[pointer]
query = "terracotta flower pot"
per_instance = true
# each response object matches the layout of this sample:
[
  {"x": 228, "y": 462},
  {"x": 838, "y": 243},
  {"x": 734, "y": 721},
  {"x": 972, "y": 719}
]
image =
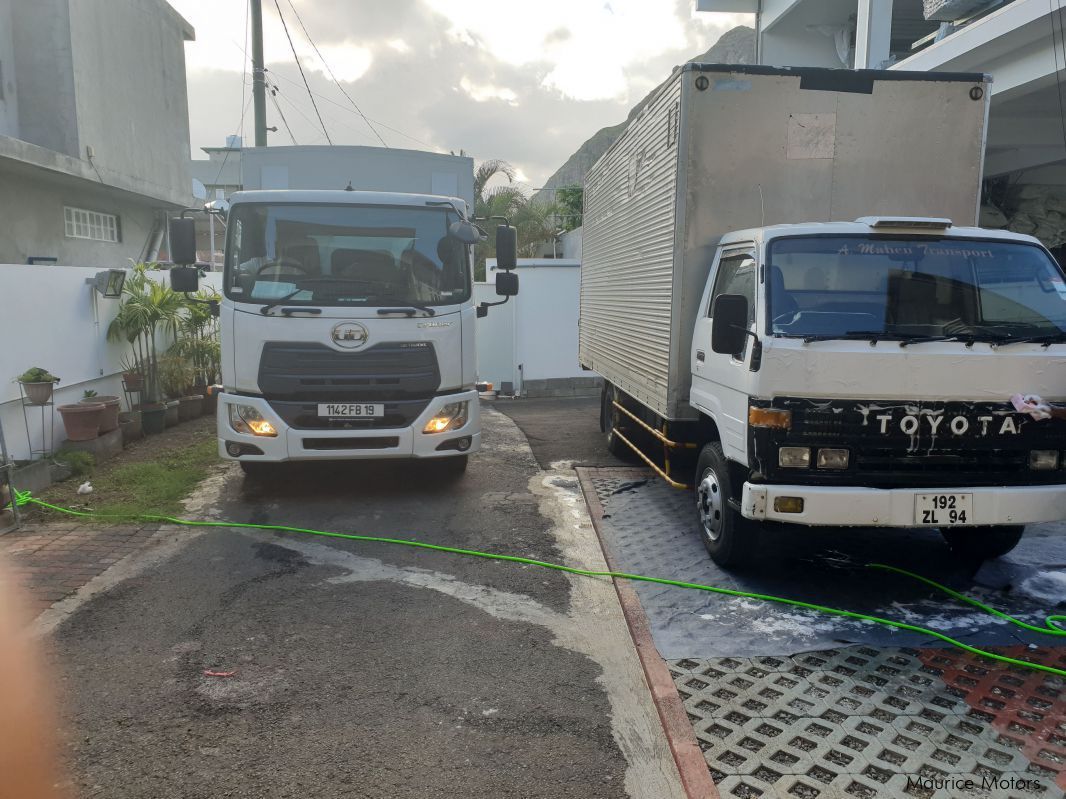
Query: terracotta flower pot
[
  {"x": 191, "y": 406},
  {"x": 172, "y": 417},
  {"x": 111, "y": 409},
  {"x": 38, "y": 393},
  {"x": 82, "y": 420},
  {"x": 131, "y": 425},
  {"x": 134, "y": 381},
  {"x": 153, "y": 417}
]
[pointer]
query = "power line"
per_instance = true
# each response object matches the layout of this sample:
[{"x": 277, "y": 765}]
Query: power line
[
  {"x": 330, "y": 71},
  {"x": 296, "y": 108},
  {"x": 344, "y": 108},
  {"x": 301, "y": 68},
  {"x": 273, "y": 96}
]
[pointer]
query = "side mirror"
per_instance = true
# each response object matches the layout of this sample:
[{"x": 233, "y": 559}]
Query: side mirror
[
  {"x": 183, "y": 240},
  {"x": 729, "y": 324},
  {"x": 506, "y": 284},
  {"x": 185, "y": 278},
  {"x": 464, "y": 232},
  {"x": 506, "y": 247}
]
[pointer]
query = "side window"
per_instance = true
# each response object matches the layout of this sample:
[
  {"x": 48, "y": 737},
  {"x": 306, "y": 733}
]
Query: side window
[{"x": 737, "y": 274}]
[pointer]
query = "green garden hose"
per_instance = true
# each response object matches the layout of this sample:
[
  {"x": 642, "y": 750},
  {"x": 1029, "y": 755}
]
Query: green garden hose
[{"x": 1054, "y": 625}]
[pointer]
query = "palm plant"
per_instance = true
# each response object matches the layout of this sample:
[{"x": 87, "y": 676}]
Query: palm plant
[
  {"x": 148, "y": 308},
  {"x": 198, "y": 340}
]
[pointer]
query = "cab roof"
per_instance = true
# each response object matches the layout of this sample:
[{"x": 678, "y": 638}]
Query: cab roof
[
  {"x": 876, "y": 226},
  {"x": 340, "y": 197}
]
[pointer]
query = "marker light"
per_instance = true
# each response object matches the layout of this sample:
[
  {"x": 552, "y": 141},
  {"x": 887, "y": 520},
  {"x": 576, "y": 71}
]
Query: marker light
[
  {"x": 770, "y": 417},
  {"x": 451, "y": 417},
  {"x": 788, "y": 504},
  {"x": 246, "y": 419}
]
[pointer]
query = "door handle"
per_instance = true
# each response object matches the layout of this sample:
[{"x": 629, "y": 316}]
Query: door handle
[{"x": 700, "y": 357}]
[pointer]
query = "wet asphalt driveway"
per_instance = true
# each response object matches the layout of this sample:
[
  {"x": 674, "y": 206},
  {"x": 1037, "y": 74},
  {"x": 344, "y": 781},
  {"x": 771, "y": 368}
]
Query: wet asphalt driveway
[{"x": 366, "y": 670}]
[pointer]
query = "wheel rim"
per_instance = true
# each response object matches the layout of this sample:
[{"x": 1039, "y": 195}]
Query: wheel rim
[{"x": 709, "y": 504}]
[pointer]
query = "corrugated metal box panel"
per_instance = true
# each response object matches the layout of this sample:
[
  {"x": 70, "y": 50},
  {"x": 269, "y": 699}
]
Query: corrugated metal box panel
[
  {"x": 758, "y": 146},
  {"x": 627, "y": 272}
]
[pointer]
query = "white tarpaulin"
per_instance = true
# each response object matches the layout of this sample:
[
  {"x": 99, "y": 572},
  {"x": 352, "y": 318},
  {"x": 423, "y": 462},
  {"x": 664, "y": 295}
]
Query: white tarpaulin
[{"x": 1040, "y": 211}]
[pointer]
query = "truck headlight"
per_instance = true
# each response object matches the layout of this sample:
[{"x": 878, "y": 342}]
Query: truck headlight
[
  {"x": 794, "y": 457},
  {"x": 246, "y": 419},
  {"x": 451, "y": 417},
  {"x": 1044, "y": 459},
  {"x": 832, "y": 459}
]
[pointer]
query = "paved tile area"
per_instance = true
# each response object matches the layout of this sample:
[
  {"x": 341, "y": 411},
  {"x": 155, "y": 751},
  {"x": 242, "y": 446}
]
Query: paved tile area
[
  {"x": 54, "y": 559},
  {"x": 870, "y": 722}
]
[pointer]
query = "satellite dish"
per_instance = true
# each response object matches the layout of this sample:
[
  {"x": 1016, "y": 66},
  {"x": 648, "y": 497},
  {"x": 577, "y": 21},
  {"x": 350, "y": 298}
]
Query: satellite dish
[{"x": 199, "y": 190}]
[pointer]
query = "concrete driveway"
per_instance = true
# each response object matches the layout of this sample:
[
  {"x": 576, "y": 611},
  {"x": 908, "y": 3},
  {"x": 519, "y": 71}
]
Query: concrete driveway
[{"x": 364, "y": 670}]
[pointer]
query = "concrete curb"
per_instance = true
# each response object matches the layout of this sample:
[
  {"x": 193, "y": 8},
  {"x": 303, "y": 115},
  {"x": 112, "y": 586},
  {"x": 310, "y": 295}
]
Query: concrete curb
[{"x": 688, "y": 757}]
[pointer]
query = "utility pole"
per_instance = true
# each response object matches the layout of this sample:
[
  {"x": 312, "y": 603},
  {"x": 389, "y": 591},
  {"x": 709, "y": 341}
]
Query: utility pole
[{"x": 258, "y": 76}]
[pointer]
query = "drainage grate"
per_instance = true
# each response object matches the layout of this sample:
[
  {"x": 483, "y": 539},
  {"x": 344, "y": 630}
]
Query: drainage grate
[{"x": 874, "y": 722}]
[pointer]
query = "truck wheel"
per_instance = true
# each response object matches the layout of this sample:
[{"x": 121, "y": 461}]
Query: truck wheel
[
  {"x": 983, "y": 543},
  {"x": 259, "y": 470},
  {"x": 608, "y": 418},
  {"x": 453, "y": 467},
  {"x": 730, "y": 539}
]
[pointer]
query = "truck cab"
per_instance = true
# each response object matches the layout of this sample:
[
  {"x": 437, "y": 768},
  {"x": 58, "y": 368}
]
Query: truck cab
[
  {"x": 347, "y": 326},
  {"x": 857, "y": 374}
]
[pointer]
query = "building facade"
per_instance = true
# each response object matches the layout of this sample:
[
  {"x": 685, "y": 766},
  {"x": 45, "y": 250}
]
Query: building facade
[{"x": 94, "y": 129}]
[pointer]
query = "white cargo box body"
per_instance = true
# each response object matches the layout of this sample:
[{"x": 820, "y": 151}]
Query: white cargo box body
[{"x": 724, "y": 148}]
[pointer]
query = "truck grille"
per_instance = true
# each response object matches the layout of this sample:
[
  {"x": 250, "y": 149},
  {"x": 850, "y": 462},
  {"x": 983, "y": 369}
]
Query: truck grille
[
  {"x": 294, "y": 371},
  {"x": 380, "y": 442},
  {"x": 895, "y": 445}
]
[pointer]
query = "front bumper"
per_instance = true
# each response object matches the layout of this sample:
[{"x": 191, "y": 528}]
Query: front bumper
[
  {"x": 293, "y": 444},
  {"x": 849, "y": 506}
]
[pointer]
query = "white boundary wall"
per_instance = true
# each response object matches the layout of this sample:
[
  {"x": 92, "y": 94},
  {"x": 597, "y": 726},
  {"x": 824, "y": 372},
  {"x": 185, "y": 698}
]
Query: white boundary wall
[
  {"x": 537, "y": 330},
  {"x": 50, "y": 317}
]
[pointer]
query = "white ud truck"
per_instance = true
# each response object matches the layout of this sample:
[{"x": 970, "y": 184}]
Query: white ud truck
[
  {"x": 789, "y": 368},
  {"x": 347, "y": 326}
]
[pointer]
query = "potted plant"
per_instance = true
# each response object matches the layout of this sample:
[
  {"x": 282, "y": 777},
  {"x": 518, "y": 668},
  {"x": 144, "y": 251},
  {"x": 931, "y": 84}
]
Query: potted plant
[
  {"x": 198, "y": 343},
  {"x": 175, "y": 374},
  {"x": 131, "y": 425},
  {"x": 132, "y": 379},
  {"x": 112, "y": 406},
  {"x": 38, "y": 384},
  {"x": 82, "y": 420},
  {"x": 148, "y": 308}
]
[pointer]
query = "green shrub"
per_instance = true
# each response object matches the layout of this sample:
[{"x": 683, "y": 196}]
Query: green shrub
[
  {"x": 80, "y": 463},
  {"x": 37, "y": 375}
]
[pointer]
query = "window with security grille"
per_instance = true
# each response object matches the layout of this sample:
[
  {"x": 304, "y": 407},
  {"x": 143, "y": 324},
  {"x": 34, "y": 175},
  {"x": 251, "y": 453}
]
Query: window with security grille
[{"x": 84, "y": 224}]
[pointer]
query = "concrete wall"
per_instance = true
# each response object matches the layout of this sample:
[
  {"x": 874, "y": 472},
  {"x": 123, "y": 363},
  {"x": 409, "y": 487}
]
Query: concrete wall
[
  {"x": 369, "y": 168},
  {"x": 54, "y": 320},
  {"x": 36, "y": 200},
  {"x": 9, "y": 119},
  {"x": 129, "y": 82},
  {"x": 532, "y": 340},
  {"x": 45, "y": 70}
]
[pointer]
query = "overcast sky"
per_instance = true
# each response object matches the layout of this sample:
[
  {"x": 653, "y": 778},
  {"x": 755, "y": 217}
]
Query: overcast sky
[{"x": 527, "y": 81}]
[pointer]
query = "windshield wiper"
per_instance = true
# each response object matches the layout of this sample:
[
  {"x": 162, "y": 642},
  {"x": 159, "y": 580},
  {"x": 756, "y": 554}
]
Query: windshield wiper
[
  {"x": 408, "y": 308},
  {"x": 872, "y": 335},
  {"x": 1047, "y": 339},
  {"x": 272, "y": 305}
]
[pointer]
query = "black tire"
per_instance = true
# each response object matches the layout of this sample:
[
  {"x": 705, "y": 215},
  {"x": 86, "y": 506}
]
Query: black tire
[
  {"x": 983, "y": 543},
  {"x": 608, "y": 419},
  {"x": 453, "y": 467},
  {"x": 730, "y": 539},
  {"x": 259, "y": 470}
]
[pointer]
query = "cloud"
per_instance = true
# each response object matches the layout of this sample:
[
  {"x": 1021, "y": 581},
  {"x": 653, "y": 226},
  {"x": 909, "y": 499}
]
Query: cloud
[{"x": 496, "y": 79}]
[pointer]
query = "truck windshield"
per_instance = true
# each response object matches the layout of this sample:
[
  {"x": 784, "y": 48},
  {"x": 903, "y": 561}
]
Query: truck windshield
[
  {"x": 970, "y": 289},
  {"x": 344, "y": 255}
]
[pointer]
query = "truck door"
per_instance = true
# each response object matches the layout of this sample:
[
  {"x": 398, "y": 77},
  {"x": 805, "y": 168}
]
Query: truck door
[{"x": 721, "y": 383}]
